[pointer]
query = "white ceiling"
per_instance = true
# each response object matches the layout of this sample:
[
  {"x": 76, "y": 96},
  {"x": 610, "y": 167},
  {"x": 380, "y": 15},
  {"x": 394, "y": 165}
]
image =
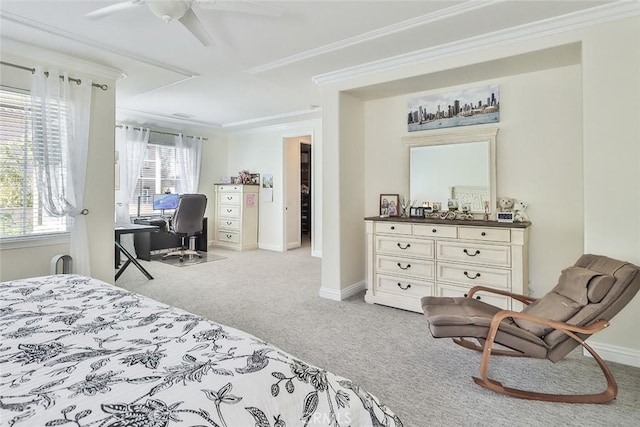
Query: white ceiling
[{"x": 261, "y": 67}]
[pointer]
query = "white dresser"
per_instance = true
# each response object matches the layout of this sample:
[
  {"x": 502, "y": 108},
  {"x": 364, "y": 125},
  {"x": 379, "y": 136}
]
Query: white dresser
[
  {"x": 409, "y": 258},
  {"x": 236, "y": 216}
]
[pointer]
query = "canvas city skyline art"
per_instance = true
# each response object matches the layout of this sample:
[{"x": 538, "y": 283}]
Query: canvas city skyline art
[{"x": 468, "y": 106}]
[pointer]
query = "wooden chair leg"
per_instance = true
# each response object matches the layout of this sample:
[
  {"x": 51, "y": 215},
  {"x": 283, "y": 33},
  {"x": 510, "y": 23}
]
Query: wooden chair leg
[{"x": 610, "y": 392}]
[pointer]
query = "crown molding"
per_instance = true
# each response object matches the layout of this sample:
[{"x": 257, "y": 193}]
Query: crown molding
[
  {"x": 573, "y": 21},
  {"x": 40, "y": 55},
  {"x": 48, "y": 29},
  {"x": 164, "y": 119},
  {"x": 274, "y": 117},
  {"x": 418, "y": 21},
  {"x": 307, "y": 125}
]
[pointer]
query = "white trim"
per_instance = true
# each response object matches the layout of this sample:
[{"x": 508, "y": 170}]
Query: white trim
[
  {"x": 343, "y": 293},
  {"x": 445, "y": 13},
  {"x": 276, "y": 248},
  {"x": 21, "y": 242},
  {"x": 316, "y": 253},
  {"x": 312, "y": 110},
  {"x": 65, "y": 62},
  {"x": 613, "y": 353},
  {"x": 168, "y": 120},
  {"x": 572, "y": 21},
  {"x": 89, "y": 42},
  {"x": 282, "y": 127}
]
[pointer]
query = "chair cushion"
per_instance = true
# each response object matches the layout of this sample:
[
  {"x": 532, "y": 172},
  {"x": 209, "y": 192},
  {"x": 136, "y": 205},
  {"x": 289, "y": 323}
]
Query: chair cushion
[
  {"x": 552, "y": 306},
  {"x": 576, "y": 288}
]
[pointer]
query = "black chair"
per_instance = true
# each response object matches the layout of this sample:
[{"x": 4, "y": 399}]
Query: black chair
[{"x": 187, "y": 223}]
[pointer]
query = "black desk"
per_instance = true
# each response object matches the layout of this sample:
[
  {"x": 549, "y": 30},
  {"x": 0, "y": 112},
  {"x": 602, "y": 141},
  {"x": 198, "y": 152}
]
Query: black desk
[
  {"x": 135, "y": 229},
  {"x": 147, "y": 242}
]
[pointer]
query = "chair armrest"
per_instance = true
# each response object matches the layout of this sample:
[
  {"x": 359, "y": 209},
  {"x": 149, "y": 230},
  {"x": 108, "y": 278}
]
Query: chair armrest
[
  {"x": 591, "y": 329},
  {"x": 522, "y": 298}
]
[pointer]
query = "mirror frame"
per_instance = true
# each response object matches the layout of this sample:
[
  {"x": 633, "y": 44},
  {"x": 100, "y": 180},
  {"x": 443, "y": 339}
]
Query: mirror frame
[{"x": 462, "y": 136}]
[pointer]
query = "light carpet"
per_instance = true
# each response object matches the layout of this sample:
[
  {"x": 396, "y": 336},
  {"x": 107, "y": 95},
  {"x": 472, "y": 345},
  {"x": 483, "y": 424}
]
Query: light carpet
[{"x": 390, "y": 352}]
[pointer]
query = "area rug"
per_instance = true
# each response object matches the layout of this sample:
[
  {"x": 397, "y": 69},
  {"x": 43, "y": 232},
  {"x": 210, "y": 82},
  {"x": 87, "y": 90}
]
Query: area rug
[{"x": 188, "y": 260}]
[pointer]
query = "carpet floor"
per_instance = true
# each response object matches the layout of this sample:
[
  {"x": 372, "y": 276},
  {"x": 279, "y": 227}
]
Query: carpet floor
[{"x": 390, "y": 352}]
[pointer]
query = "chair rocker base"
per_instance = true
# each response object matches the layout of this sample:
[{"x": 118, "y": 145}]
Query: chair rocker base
[{"x": 609, "y": 393}]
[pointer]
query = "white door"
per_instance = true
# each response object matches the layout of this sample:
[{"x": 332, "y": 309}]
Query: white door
[{"x": 292, "y": 192}]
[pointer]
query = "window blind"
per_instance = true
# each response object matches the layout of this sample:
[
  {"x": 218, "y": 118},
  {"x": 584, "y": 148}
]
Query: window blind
[
  {"x": 21, "y": 208},
  {"x": 157, "y": 175}
]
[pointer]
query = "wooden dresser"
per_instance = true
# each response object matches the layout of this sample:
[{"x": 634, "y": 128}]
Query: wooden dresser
[
  {"x": 236, "y": 216},
  {"x": 409, "y": 258}
]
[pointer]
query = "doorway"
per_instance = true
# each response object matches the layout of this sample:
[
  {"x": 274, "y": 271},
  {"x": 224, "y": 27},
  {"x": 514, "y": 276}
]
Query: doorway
[{"x": 298, "y": 189}]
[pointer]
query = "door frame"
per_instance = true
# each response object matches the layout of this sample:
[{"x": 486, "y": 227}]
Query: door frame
[{"x": 291, "y": 176}]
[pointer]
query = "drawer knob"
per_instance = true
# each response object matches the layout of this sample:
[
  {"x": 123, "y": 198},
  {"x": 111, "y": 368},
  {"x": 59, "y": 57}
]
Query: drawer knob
[
  {"x": 229, "y": 223},
  {"x": 483, "y": 233},
  {"x": 406, "y": 247},
  {"x": 434, "y": 230},
  {"x": 404, "y": 268},
  {"x": 404, "y": 288},
  {"x": 229, "y": 197},
  {"x": 466, "y": 295},
  {"x": 229, "y": 210},
  {"x": 467, "y": 252},
  {"x": 393, "y": 227},
  {"x": 472, "y": 278},
  {"x": 228, "y": 236}
]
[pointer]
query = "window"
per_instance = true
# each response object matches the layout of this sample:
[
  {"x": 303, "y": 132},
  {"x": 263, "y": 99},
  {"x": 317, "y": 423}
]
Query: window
[
  {"x": 158, "y": 174},
  {"x": 21, "y": 210}
]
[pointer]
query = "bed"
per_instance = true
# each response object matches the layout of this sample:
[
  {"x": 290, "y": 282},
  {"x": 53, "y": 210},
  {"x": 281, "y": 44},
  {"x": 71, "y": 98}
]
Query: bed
[{"x": 80, "y": 352}]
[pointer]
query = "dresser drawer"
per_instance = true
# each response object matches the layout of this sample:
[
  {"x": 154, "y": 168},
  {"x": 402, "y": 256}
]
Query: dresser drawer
[
  {"x": 445, "y": 290},
  {"x": 229, "y": 211},
  {"x": 474, "y": 253},
  {"x": 412, "y": 288},
  {"x": 229, "y": 188},
  {"x": 485, "y": 234},
  {"x": 430, "y": 230},
  {"x": 405, "y": 266},
  {"x": 473, "y": 275},
  {"x": 404, "y": 247},
  {"x": 229, "y": 224},
  {"x": 228, "y": 236},
  {"x": 233, "y": 199},
  {"x": 393, "y": 228}
]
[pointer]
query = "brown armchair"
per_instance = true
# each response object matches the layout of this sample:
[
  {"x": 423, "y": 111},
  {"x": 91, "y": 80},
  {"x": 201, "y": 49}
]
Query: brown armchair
[{"x": 588, "y": 295}]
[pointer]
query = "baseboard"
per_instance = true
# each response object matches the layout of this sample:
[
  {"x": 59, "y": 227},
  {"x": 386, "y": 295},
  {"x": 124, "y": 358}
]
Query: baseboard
[
  {"x": 612, "y": 353},
  {"x": 294, "y": 245},
  {"x": 344, "y": 293},
  {"x": 317, "y": 254},
  {"x": 276, "y": 248}
]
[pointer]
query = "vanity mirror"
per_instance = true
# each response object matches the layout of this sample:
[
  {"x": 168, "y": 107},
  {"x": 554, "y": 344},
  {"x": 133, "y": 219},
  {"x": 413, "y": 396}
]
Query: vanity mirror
[{"x": 459, "y": 164}]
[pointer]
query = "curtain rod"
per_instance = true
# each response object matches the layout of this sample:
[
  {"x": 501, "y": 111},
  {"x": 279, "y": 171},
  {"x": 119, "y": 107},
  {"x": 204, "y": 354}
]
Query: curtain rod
[
  {"x": 46, "y": 73},
  {"x": 166, "y": 133}
]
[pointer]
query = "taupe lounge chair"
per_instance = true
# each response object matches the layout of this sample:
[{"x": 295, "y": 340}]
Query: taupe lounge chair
[{"x": 588, "y": 295}]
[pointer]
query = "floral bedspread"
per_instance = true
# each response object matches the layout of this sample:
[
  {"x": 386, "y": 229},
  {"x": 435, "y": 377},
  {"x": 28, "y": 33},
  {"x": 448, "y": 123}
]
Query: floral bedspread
[{"x": 79, "y": 352}]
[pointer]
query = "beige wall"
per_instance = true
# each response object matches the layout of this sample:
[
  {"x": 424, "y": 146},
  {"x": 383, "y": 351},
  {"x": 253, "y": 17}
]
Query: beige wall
[
  {"x": 611, "y": 59},
  {"x": 261, "y": 150},
  {"x": 99, "y": 194},
  {"x": 568, "y": 145}
]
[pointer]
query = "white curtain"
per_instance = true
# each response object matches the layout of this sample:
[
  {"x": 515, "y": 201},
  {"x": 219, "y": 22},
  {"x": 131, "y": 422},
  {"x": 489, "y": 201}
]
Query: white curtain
[
  {"x": 189, "y": 153},
  {"x": 131, "y": 146},
  {"x": 61, "y": 115}
]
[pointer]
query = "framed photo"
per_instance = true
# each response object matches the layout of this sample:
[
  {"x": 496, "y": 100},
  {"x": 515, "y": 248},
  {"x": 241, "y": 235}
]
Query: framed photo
[
  {"x": 255, "y": 178},
  {"x": 389, "y": 205},
  {"x": 416, "y": 212}
]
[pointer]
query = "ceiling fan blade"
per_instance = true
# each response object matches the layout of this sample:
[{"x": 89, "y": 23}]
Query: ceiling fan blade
[
  {"x": 193, "y": 24},
  {"x": 242, "y": 6},
  {"x": 113, "y": 9}
]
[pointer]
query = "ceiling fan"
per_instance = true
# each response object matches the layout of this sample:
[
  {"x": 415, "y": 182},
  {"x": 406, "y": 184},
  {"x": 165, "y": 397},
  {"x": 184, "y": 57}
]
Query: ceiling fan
[{"x": 182, "y": 11}]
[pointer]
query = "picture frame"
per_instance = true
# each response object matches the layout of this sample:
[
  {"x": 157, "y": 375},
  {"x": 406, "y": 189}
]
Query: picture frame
[
  {"x": 389, "y": 205},
  {"x": 416, "y": 212},
  {"x": 255, "y": 178}
]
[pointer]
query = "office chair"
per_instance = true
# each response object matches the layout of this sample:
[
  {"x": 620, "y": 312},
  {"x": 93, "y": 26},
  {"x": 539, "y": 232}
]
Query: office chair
[{"x": 187, "y": 222}]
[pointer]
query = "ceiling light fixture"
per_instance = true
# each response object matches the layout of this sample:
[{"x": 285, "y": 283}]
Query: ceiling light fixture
[{"x": 169, "y": 10}]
